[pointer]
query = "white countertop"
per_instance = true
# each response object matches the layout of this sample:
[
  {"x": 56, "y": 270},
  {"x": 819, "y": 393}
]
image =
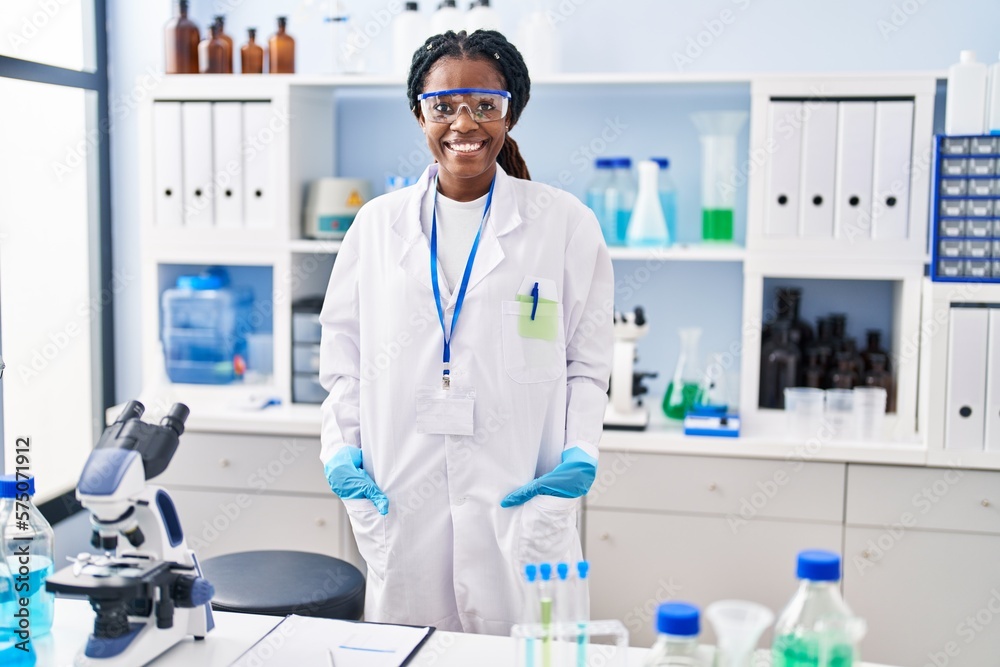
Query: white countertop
[{"x": 235, "y": 633}]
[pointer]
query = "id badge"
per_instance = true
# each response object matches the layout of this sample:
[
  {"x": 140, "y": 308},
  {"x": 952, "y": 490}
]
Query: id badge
[{"x": 445, "y": 411}]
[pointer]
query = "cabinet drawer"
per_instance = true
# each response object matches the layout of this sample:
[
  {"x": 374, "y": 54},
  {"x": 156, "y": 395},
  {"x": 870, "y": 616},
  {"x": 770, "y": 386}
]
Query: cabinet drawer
[
  {"x": 254, "y": 462},
  {"x": 933, "y": 498},
  {"x": 744, "y": 488},
  {"x": 220, "y": 522}
]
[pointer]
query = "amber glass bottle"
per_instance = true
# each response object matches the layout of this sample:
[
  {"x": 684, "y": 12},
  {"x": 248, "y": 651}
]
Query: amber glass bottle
[
  {"x": 281, "y": 50},
  {"x": 252, "y": 55},
  {"x": 212, "y": 52},
  {"x": 221, "y": 20},
  {"x": 181, "y": 41}
]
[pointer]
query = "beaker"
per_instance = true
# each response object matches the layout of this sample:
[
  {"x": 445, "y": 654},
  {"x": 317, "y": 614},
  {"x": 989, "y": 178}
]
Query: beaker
[
  {"x": 738, "y": 626},
  {"x": 718, "y": 131},
  {"x": 682, "y": 392}
]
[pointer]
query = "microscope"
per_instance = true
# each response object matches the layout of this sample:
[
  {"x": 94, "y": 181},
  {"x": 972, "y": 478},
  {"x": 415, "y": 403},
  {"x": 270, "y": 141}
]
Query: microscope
[
  {"x": 625, "y": 409},
  {"x": 146, "y": 588}
]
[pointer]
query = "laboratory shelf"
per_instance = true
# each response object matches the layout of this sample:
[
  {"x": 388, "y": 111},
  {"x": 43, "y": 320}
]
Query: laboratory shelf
[
  {"x": 314, "y": 246},
  {"x": 682, "y": 252},
  {"x": 957, "y": 458}
]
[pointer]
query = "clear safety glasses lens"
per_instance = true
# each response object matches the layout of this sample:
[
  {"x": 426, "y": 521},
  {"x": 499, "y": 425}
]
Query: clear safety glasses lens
[{"x": 483, "y": 105}]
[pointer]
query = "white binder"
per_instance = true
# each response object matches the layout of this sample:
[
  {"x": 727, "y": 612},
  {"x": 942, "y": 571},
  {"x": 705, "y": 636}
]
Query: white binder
[
  {"x": 258, "y": 140},
  {"x": 784, "y": 144},
  {"x": 198, "y": 182},
  {"x": 167, "y": 170},
  {"x": 965, "y": 402},
  {"x": 891, "y": 186},
  {"x": 819, "y": 154},
  {"x": 855, "y": 159},
  {"x": 227, "y": 137},
  {"x": 993, "y": 383}
]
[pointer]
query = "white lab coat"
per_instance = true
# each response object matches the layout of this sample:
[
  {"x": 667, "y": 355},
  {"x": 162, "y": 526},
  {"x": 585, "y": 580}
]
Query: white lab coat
[{"x": 447, "y": 554}]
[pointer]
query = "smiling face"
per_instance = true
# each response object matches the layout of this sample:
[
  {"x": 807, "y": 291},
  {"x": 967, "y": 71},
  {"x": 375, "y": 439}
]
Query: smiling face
[{"x": 465, "y": 150}]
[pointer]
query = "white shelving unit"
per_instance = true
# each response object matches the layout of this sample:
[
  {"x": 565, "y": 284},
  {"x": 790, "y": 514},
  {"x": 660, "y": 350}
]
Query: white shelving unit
[{"x": 302, "y": 148}]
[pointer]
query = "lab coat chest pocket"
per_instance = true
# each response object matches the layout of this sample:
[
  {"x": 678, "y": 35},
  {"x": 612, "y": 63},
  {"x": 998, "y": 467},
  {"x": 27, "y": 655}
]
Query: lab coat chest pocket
[
  {"x": 534, "y": 349},
  {"x": 548, "y": 530},
  {"x": 370, "y": 533}
]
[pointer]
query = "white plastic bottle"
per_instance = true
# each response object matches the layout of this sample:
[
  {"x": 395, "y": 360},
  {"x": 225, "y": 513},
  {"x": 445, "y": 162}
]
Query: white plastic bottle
[
  {"x": 647, "y": 227},
  {"x": 993, "y": 101},
  {"x": 538, "y": 42},
  {"x": 447, "y": 17},
  {"x": 965, "y": 108},
  {"x": 482, "y": 17},
  {"x": 409, "y": 30}
]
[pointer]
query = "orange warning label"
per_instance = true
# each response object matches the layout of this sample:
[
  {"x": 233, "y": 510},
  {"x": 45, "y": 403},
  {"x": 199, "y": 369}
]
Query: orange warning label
[{"x": 354, "y": 199}]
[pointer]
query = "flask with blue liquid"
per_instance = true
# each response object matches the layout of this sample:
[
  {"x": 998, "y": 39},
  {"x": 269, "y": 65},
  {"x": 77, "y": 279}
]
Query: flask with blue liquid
[
  {"x": 25, "y": 563},
  {"x": 624, "y": 192},
  {"x": 667, "y": 192},
  {"x": 597, "y": 199}
]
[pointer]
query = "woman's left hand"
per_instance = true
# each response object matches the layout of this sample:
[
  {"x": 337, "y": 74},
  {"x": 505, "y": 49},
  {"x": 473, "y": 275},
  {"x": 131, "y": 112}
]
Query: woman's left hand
[{"x": 570, "y": 479}]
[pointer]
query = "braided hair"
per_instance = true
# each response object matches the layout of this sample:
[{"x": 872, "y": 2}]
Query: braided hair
[{"x": 489, "y": 46}]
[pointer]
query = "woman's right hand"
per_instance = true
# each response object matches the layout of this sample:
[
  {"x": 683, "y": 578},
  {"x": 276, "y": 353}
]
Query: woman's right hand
[{"x": 347, "y": 479}]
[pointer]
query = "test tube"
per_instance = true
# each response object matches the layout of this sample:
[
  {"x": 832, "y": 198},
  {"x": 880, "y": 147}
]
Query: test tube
[
  {"x": 564, "y": 614},
  {"x": 545, "y": 609},
  {"x": 582, "y": 612},
  {"x": 530, "y": 609}
]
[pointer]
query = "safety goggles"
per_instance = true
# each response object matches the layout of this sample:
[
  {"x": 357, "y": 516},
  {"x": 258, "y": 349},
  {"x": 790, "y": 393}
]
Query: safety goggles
[{"x": 483, "y": 105}]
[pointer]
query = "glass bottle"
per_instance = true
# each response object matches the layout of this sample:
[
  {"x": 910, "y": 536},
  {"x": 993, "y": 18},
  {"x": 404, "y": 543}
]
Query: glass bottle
[
  {"x": 817, "y": 628},
  {"x": 181, "y": 38},
  {"x": 668, "y": 197},
  {"x": 281, "y": 50},
  {"x": 251, "y": 54},
  {"x": 221, "y": 20},
  {"x": 646, "y": 226},
  {"x": 844, "y": 376},
  {"x": 874, "y": 347},
  {"x": 801, "y": 333},
  {"x": 682, "y": 392},
  {"x": 780, "y": 313},
  {"x": 678, "y": 625},
  {"x": 857, "y": 360},
  {"x": 22, "y": 525},
  {"x": 626, "y": 190},
  {"x": 779, "y": 366},
  {"x": 838, "y": 331},
  {"x": 714, "y": 389},
  {"x": 815, "y": 372},
  {"x": 597, "y": 198},
  {"x": 824, "y": 331},
  {"x": 878, "y": 375},
  {"x": 212, "y": 52}
]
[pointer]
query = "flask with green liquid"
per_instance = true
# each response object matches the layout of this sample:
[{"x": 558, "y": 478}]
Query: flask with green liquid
[{"x": 683, "y": 390}]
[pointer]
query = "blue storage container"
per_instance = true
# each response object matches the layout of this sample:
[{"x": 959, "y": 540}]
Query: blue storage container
[{"x": 205, "y": 325}]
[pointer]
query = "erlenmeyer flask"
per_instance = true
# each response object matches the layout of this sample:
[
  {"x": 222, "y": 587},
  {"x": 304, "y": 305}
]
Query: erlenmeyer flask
[
  {"x": 714, "y": 390},
  {"x": 718, "y": 130},
  {"x": 682, "y": 392}
]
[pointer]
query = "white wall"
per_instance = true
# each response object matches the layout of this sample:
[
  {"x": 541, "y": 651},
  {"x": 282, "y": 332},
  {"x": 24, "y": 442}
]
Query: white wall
[{"x": 597, "y": 35}]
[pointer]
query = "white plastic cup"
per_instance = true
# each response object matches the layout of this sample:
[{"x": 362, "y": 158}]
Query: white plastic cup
[
  {"x": 839, "y": 414},
  {"x": 804, "y": 412},
  {"x": 869, "y": 412}
]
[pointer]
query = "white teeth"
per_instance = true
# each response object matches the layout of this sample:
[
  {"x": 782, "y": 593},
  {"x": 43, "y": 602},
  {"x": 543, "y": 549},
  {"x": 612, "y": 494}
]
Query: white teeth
[{"x": 466, "y": 148}]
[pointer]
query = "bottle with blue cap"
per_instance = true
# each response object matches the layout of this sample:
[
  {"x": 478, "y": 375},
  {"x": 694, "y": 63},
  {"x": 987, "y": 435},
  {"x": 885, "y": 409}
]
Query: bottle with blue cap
[
  {"x": 678, "y": 624},
  {"x": 25, "y": 564},
  {"x": 817, "y": 628},
  {"x": 597, "y": 198}
]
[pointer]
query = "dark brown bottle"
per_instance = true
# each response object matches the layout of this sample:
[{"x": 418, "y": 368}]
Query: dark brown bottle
[
  {"x": 252, "y": 55},
  {"x": 221, "y": 20},
  {"x": 281, "y": 50},
  {"x": 879, "y": 376},
  {"x": 779, "y": 366},
  {"x": 801, "y": 333},
  {"x": 857, "y": 360},
  {"x": 844, "y": 377},
  {"x": 838, "y": 331},
  {"x": 815, "y": 372},
  {"x": 181, "y": 41},
  {"x": 212, "y": 52},
  {"x": 875, "y": 347},
  {"x": 824, "y": 331},
  {"x": 780, "y": 313}
]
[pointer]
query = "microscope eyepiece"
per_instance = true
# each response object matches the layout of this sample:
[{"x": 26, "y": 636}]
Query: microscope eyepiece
[
  {"x": 176, "y": 417},
  {"x": 133, "y": 410}
]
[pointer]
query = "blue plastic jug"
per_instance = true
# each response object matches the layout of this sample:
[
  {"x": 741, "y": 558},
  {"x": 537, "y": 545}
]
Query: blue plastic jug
[{"x": 205, "y": 325}]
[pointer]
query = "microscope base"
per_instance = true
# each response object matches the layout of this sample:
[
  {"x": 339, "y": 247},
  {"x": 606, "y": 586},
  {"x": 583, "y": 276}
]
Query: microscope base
[{"x": 635, "y": 420}]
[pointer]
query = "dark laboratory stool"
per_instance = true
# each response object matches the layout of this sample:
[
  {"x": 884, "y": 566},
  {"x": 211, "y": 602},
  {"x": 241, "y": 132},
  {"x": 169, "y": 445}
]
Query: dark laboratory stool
[{"x": 278, "y": 583}]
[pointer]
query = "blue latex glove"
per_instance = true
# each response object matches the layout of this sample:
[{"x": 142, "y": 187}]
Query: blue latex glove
[
  {"x": 570, "y": 479},
  {"x": 348, "y": 480}
]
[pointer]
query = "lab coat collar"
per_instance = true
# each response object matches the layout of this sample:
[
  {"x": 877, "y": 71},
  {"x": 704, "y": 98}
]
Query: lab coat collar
[{"x": 416, "y": 255}]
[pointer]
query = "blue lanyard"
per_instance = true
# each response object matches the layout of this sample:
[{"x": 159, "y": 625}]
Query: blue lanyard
[{"x": 446, "y": 358}]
